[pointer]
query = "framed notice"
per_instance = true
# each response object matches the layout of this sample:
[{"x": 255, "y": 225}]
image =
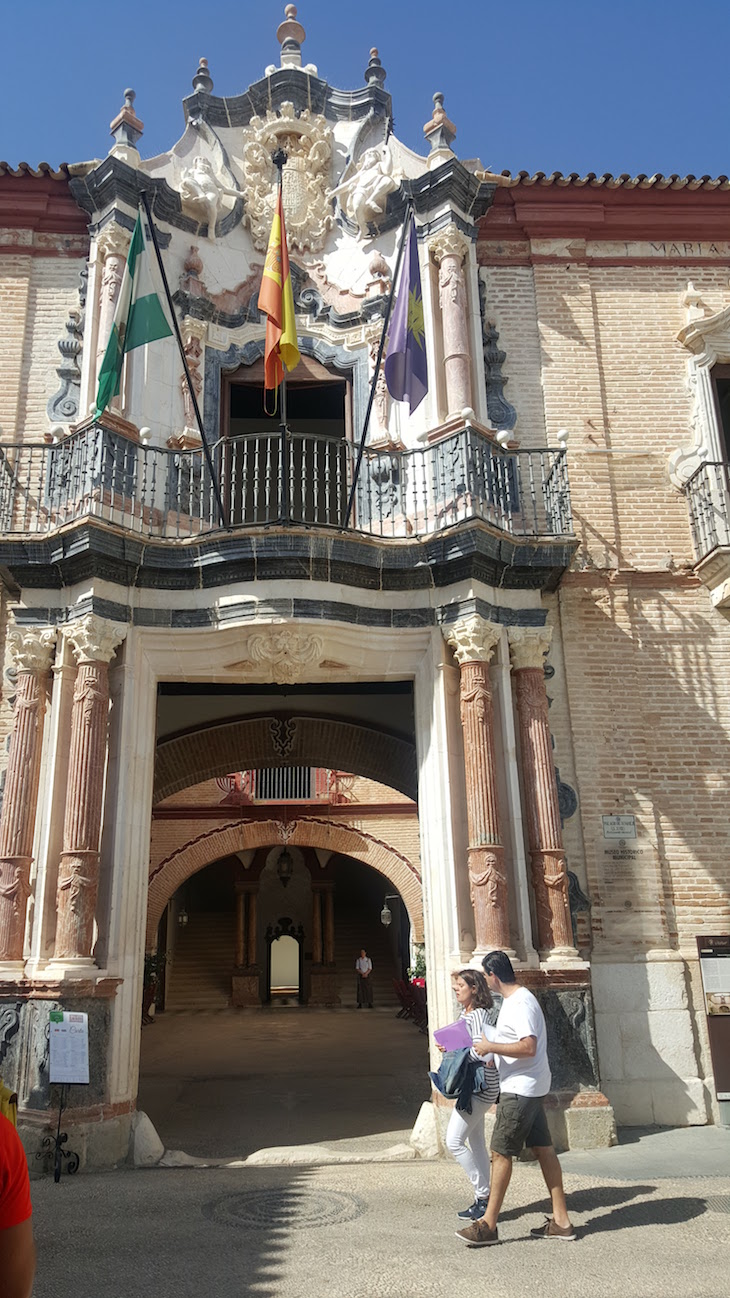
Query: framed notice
[
  {"x": 714, "y": 953},
  {"x": 69, "y": 1047}
]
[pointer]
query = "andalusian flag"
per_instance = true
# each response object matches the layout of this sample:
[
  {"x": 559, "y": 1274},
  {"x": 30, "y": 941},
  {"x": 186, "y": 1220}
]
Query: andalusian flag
[
  {"x": 406, "y": 373},
  {"x": 139, "y": 317},
  {"x": 276, "y": 300}
]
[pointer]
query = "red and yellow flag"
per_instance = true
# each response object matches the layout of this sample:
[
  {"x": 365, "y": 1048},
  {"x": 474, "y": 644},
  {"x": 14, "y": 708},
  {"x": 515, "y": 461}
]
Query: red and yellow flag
[{"x": 276, "y": 300}]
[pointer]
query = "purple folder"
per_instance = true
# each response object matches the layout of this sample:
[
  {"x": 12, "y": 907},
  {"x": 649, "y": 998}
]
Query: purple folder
[{"x": 455, "y": 1036}]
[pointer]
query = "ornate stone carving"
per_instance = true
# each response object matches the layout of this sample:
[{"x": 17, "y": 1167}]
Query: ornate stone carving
[
  {"x": 287, "y": 653},
  {"x": 193, "y": 335},
  {"x": 708, "y": 339},
  {"x": 93, "y": 638},
  {"x": 64, "y": 404},
  {"x": 363, "y": 191},
  {"x": 307, "y": 142},
  {"x": 381, "y": 401},
  {"x": 473, "y": 639},
  {"x": 31, "y": 649},
  {"x": 501, "y": 414},
  {"x": 283, "y": 733},
  {"x": 449, "y": 242},
  {"x": 113, "y": 241},
  {"x": 9, "y": 1027},
  {"x": 202, "y": 188},
  {"x": 528, "y": 646},
  {"x": 449, "y": 248}
]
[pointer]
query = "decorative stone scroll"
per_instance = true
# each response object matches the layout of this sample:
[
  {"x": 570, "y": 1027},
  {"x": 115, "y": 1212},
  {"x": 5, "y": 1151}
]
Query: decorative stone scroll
[
  {"x": 286, "y": 653},
  {"x": 31, "y": 650},
  {"x": 545, "y": 838},
  {"x": 449, "y": 249},
  {"x": 473, "y": 641},
  {"x": 94, "y": 642}
]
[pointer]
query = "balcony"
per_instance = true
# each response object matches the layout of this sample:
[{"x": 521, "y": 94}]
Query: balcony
[
  {"x": 165, "y": 498},
  {"x": 708, "y": 498}
]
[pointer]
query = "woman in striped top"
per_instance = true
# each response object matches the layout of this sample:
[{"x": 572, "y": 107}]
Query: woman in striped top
[{"x": 465, "y": 1132}]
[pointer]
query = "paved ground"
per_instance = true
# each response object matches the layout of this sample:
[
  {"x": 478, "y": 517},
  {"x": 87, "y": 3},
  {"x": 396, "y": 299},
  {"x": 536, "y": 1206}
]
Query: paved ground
[
  {"x": 372, "y": 1232},
  {"x": 221, "y": 1085}
]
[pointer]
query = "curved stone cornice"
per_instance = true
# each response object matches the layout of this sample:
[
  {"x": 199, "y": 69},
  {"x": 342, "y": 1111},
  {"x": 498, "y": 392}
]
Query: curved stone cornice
[
  {"x": 528, "y": 646},
  {"x": 449, "y": 242},
  {"x": 94, "y": 639},
  {"x": 473, "y": 639},
  {"x": 31, "y": 650}
]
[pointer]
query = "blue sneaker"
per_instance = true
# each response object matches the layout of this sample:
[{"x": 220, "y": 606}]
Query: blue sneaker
[{"x": 475, "y": 1211}]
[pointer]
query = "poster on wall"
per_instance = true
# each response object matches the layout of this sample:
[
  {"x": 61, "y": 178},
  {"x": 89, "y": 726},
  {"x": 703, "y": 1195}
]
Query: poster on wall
[
  {"x": 714, "y": 953},
  {"x": 69, "y": 1047}
]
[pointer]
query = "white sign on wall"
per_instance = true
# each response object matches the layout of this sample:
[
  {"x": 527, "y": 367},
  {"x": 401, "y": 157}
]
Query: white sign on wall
[
  {"x": 69, "y": 1042},
  {"x": 619, "y": 826}
]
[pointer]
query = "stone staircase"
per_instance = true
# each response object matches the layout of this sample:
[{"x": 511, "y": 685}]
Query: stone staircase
[{"x": 199, "y": 977}]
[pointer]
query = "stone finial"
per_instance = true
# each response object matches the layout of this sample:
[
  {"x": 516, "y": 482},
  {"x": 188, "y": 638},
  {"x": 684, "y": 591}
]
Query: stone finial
[
  {"x": 440, "y": 132},
  {"x": 203, "y": 81},
  {"x": 126, "y": 127},
  {"x": 528, "y": 645},
  {"x": 291, "y": 36},
  {"x": 375, "y": 72},
  {"x": 473, "y": 639}
]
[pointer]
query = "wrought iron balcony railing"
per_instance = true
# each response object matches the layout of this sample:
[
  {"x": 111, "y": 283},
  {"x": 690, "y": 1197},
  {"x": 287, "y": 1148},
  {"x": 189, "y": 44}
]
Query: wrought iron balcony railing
[
  {"x": 160, "y": 493},
  {"x": 708, "y": 497}
]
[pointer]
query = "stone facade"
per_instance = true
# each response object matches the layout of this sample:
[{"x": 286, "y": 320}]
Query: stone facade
[{"x": 494, "y": 676}]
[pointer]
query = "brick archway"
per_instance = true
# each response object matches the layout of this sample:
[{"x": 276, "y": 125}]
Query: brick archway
[
  {"x": 308, "y": 831},
  {"x": 283, "y": 739}
]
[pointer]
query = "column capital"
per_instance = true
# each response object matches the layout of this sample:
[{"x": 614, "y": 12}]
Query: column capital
[
  {"x": 93, "y": 638},
  {"x": 113, "y": 241},
  {"x": 191, "y": 327},
  {"x": 449, "y": 242},
  {"x": 32, "y": 649},
  {"x": 473, "y": 639},
  {"x": 528, "y": 645}
]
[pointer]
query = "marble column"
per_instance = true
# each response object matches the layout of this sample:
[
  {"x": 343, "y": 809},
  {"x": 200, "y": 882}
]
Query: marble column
[
  {"x": 316, "y": 926},
  {"x": 542, "y": 811},
  {"x": 113, "y": 246},
  {"x": 252, "y": 934},
  {"x": 31, "y": 652},
  {"x": 94, "y": 642},
  {"x": 329, "y": 926},
  {"x": 240, "y": 951},
  {"x": 449, "y": 249},
  {"x": 473, "y": 641}
]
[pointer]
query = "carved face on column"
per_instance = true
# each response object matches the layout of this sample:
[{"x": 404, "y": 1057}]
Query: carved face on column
[
  {"x": 485, "y": 873},
  {"x": 475, "y": 697},
  {"x": 530, "y": 688},
  {"x": 451, "y": 283}
]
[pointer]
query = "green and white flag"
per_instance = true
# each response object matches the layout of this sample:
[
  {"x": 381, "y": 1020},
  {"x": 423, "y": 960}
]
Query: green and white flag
[{"x": 139, "y": 317}]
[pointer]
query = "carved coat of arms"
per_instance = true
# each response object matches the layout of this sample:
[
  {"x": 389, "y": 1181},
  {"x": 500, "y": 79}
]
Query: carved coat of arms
[{"x": 307, "y": 142}]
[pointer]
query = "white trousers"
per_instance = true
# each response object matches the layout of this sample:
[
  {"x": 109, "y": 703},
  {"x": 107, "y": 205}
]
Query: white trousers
[{"x": 474, "y": 1156}]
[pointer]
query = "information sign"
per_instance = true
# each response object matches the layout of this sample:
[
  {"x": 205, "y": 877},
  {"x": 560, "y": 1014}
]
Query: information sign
[{"x": 69, "y": 1045}]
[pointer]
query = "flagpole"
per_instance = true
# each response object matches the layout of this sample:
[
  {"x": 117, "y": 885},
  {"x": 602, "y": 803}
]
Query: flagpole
[
  {"x": 279, "y": 159},
  {"x": 206, "y": 448},
  {"x": 381, "y": 348}
]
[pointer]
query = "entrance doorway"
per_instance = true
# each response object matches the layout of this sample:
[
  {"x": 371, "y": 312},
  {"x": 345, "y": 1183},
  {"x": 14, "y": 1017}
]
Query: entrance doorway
[{"x": 285, "y": 960}]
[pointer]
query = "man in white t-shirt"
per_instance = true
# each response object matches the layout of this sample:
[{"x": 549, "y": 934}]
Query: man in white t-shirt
[
  {"x": 519, "y": 1045},
  {"x": 364, "y": 967}
]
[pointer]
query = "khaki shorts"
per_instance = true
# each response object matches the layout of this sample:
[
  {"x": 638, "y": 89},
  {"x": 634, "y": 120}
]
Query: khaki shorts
[{"x": 520, "y": 1121}]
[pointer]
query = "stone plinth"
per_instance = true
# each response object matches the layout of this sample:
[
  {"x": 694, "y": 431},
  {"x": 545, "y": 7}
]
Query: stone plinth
[
  {"x": 323, "y": 986},
  {"x": 245, "y": 988}
]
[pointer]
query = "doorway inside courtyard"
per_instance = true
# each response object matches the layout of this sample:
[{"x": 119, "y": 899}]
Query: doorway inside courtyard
[{"x": 269, "y": 875}]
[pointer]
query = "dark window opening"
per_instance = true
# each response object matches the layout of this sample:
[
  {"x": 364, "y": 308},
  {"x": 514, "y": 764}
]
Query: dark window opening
[{"x": 721, "y": 382}]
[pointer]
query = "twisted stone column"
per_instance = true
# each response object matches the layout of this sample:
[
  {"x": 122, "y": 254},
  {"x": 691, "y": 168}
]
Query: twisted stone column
[
  {"x": 113, "y": 245},
  {"x": 473, "y": 642},
  {"x": 542, "y": 811},
  {"x": 94, "y": 642},
  {"x": 31, "y": 651},
  {"x": 449, "y": 249}
]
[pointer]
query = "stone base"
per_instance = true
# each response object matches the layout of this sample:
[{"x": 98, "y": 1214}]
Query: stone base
[
  {"x": 582, "y": 1120},
  {"x": 323, "y": 986},
  {"x": 245, "y": 989},
  {"x": 98, "y": 1144}
]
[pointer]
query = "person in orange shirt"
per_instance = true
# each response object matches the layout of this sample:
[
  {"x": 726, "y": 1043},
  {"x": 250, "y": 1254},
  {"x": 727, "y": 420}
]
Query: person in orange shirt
[{"x": 17, "y": 1250}]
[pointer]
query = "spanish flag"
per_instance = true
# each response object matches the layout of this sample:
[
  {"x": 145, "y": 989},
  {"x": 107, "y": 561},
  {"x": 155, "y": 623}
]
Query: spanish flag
[{"x": 276, "y": 300}]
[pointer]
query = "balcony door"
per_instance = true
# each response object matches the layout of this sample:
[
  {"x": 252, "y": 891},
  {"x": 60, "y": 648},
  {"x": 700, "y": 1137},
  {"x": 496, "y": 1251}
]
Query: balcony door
[{"x": 319, "y": 421}]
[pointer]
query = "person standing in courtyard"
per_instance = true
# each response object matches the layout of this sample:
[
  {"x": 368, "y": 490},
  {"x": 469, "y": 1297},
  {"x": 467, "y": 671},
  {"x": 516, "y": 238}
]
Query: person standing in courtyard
[
  {"x": 465, "y": 1132},
  {"x": 364, "y": 967},
  {"x": 519, "y": 1045},
  {"x": 17, "y": 1251}
]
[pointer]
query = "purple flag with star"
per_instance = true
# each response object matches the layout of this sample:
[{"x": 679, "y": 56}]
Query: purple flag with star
[{"x": 405, "y": 367}]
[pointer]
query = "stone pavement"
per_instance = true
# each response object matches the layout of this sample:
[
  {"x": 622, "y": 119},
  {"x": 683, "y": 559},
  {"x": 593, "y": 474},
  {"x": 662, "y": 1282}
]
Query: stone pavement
[{"x": 372, "y": 1232}]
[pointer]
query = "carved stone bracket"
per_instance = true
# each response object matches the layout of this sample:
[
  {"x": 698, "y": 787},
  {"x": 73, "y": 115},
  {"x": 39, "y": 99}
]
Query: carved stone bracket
[
  {"x": 287, "y": 654},
  {"x": 473, "y": 639},
  {"x": 501, "y": 413},
  {"x": 708, "y": 339},
  {"x": 63, "y": 406}
]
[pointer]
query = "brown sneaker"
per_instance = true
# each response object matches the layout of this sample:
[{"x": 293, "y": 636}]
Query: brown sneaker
[
  {"x": 551, "y": 1230},
  {"x": 478, "y": 1235}
]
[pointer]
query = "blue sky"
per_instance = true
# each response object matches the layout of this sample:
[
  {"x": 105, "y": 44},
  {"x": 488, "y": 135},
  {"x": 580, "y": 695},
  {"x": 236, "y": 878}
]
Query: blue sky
[{"x": 570, "y": 85}]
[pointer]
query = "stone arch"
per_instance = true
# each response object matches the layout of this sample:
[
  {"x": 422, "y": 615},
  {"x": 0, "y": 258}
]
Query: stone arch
[
  {"x": 308, "y": 831},
  {"x": 283, "y": 739}
]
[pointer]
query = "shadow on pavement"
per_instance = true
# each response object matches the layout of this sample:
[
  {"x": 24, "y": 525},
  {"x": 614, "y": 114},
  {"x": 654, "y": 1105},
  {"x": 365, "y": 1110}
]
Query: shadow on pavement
[
  {"x": 657, "y": 1212},
  {"x": 603, "y": 1196}
]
